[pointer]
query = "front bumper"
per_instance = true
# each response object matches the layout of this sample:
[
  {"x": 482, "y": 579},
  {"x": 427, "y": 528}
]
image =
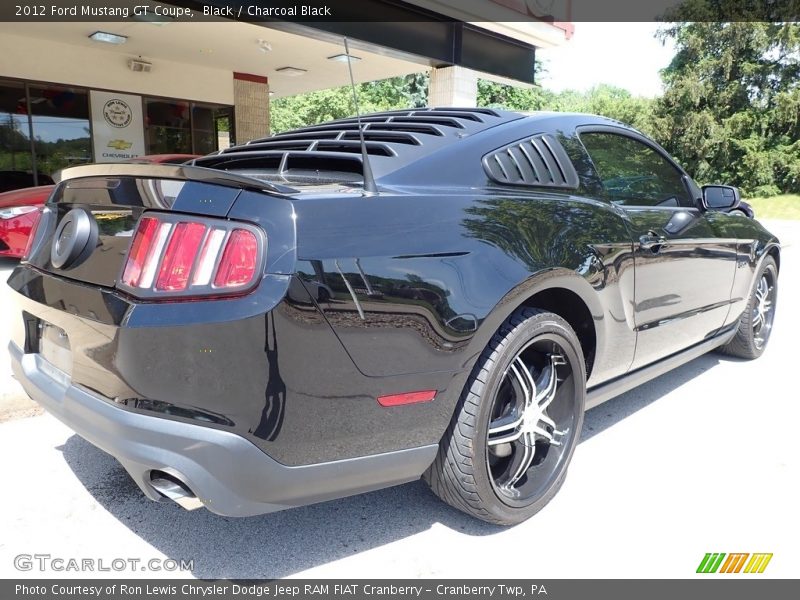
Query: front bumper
[{"x": 228, "y": 474}]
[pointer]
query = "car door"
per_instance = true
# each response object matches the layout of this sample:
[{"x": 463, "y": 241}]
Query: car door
[{"x": 683, "y": 271}]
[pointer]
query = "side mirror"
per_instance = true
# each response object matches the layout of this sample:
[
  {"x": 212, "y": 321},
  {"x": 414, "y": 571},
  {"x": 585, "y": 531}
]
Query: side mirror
[{"x": 720, "y": 197}]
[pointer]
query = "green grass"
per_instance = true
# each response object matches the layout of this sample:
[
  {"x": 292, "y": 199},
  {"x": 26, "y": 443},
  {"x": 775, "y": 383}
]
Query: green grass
[{"x": 786, "y": 206}]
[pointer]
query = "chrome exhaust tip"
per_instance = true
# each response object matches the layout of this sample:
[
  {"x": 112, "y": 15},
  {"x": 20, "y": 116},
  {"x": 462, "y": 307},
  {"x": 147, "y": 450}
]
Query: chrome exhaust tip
[{"x": 170, "y": 487}]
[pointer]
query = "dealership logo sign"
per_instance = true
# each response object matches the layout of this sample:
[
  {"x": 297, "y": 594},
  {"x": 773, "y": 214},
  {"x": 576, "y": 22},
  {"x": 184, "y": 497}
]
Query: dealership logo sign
[
  {"x": 713, "y": 562},
  {"x": 117, "y": 113},
  {"x": 117, "y": 126}
]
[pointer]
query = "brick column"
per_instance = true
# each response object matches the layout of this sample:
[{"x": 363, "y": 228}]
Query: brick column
[
  {"x": 453, "y": 86},
  {"x": 251, "y": 106}
]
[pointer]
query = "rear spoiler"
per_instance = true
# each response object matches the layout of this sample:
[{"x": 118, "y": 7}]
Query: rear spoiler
[{"x": 181, "y": 172}]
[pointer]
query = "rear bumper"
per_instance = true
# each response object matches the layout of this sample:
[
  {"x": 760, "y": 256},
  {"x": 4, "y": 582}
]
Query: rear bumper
[{"x": 228, "y": 474}]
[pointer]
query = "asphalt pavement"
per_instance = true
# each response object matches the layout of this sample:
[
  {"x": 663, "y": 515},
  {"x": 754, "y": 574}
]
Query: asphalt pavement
[{"x": 702, "y": 459}]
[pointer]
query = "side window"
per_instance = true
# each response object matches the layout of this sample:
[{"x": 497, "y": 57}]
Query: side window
[{"x": 634, "y": 174}]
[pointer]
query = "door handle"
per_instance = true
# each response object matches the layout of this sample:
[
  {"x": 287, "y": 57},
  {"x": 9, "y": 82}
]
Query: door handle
[{"x": 652, "y": 241}]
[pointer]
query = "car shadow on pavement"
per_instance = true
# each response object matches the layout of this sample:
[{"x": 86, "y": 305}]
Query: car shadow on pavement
[
  {"x": 269, "y": 546},
  {"x": 602, "y": 417},
  {"x": 281, "y": 544}
]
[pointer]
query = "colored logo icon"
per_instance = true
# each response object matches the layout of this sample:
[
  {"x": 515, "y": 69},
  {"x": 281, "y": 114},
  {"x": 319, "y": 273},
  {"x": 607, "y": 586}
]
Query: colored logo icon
[
  {"x": 119, "y": 144},
  {"x": 719, "y": 562}
]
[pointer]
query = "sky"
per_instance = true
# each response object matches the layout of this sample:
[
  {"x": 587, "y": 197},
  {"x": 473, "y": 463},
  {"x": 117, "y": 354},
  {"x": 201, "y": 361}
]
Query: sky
[{"x": 622, "y": 54}]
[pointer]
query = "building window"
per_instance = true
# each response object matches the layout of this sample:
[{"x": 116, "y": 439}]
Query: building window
[
  {"x": 210, "y": 127},
  {"x": 180, "y": 127},
  {"x": 46, "y": 127},
  {"x": 61, "y": 129},
  {"x": 167, "y": 126},
  {"x": 16, "y": 160}
]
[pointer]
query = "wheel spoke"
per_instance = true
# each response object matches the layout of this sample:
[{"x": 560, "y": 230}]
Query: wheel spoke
[
  {"x": 526, "y": 448},
  {"x": 508, "y": 428},
  {"x": 543, "y": 418},
  {"x": 762, "y": 290},
  {"x": 764, "y": 285},
  {"x": 523, "y": 379},
  {"x": 531, "y": 383},
  {"x": 510, "y": 421},
  {"x": 505, "y": 429},
  {"x": 548, "y": 382}
]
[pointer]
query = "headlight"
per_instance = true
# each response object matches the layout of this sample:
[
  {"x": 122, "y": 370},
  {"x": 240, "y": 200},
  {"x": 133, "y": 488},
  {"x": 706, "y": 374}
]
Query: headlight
[{"x": 15, "y": 211}]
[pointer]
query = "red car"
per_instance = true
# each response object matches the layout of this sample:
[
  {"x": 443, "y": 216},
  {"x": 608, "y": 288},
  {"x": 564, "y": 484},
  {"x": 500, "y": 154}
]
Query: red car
[
  {"x": 19, "y": 212},
  {"x": 20, "y": 209}
]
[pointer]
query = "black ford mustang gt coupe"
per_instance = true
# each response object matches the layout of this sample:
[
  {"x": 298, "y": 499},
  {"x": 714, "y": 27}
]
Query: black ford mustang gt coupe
[{"x": 269, "y": 327}]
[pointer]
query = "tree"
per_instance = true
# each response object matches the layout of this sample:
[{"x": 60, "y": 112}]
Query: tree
[
  {"x": 605, "y": 100},
  {"x": 511, "y": 97},
  {"x": 411, "y": 91},
  {"x": 731, "y": 106},
  {"x": 12, "y": 143},
  {"x": 292, "y": 112}
]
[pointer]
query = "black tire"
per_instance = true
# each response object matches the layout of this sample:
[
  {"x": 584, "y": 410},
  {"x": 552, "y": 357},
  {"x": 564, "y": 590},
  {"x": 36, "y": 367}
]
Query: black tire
[
  {"x": 755, "y": 324},
  {"x": 481, "y": 476}
]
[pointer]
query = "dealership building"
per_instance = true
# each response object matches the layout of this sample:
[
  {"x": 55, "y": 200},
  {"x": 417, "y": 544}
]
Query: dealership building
[{"x": 74, "y": 92}]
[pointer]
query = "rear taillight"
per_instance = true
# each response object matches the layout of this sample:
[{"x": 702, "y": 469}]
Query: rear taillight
[
  {"x": 137, "y": 256},
  {"x": 37, "y": 219},
  {"x": 180, "y": 256},
  {"x": 172, "y": 255},
  {"x": 238, "y": 260}
]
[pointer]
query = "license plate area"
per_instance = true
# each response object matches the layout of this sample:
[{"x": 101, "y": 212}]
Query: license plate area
[{"x": 54, "y": 349}]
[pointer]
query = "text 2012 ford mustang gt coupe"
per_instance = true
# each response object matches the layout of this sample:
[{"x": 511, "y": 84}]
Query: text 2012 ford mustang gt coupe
[{"x": 277, "y": 325}]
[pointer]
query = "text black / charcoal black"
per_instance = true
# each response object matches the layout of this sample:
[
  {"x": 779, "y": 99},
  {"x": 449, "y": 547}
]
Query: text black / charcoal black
[{"x": 253, "y": 331}]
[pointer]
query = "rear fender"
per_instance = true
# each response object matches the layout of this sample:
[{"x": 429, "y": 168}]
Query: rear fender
[{"x": 545, "y": 280}]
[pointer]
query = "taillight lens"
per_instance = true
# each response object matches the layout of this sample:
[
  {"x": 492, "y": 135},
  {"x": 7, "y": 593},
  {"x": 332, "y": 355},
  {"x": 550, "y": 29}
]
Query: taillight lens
[
  {"x": 180, "y": 256},
  {"x": 37, "y": 219},
  {"x": 238, "y": 260},
  {"x": 174, "y": 256},
  {"x": 142, "y": 245}
]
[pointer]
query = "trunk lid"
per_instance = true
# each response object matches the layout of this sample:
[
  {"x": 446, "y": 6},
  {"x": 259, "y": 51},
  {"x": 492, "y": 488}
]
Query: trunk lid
[{"x": 88, "y": 225}]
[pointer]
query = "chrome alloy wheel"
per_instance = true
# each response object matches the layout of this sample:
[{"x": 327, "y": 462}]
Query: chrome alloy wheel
[
  {"x": 763, "y": 309},
  {"x": 532, "y": 421}
]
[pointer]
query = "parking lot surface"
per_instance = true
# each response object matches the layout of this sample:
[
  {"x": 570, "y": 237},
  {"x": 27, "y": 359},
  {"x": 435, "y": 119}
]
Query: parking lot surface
[{"x": 702, "y": 459}]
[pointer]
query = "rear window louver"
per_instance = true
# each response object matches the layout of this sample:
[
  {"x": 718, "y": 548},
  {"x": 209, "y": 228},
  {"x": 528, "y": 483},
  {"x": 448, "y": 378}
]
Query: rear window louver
[
  {"x": 537, "y": 161},
  {"x": 395, "y": 137},
  {"x": 313, "y": 145},
  {"x": 284, "y": 162},
  {"x": 370, "y": 135},
  {"x": 333, "y": 131},
  {"x": 443, "y": 121},
  {"x": 332, "y": 151}
]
